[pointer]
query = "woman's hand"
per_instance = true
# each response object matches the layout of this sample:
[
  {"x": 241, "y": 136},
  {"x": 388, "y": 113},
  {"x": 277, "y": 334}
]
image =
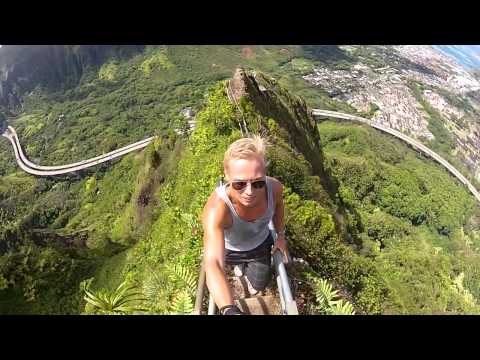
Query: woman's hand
[{"x": 281, "y": 244}]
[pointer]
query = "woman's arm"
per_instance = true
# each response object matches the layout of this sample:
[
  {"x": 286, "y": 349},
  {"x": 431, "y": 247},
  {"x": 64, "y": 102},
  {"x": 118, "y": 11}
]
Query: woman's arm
[
  {"x": 279, "y": 220},
  {"x": 214, "y": 253}
]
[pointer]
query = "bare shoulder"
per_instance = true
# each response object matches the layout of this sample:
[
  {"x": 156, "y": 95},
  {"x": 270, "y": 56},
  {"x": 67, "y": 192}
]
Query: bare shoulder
[
  {"x": 215, "y": 211},
  {"x": 277, "y": 188}
]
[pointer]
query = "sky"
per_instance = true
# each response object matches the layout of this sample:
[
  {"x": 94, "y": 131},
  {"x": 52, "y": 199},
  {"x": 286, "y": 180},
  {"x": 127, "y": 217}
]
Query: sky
[{"x": 466, "y": 55}]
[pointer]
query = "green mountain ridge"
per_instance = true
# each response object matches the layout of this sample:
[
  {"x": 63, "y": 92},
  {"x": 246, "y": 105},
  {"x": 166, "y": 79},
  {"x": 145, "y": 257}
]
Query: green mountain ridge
[
  {"x": 392, "y": 230},
  {"x": 54, "y": 67}
]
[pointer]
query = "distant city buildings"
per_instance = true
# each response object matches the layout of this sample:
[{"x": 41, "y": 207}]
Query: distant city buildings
[{"x": 387, "y": 88}]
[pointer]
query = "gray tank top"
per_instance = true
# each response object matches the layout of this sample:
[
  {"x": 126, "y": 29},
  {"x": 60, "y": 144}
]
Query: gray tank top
[{"x": 247, "y": 235}]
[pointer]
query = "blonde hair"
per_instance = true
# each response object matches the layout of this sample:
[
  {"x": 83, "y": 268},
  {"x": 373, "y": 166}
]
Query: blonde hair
[{"x": 246, "y": 148}]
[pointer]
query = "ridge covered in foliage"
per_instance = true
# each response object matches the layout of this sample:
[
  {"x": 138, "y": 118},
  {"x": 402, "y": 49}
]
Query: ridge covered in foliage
[{"x": 363, "y": 210}]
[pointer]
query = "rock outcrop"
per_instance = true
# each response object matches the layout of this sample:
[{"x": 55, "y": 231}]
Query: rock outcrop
[{"x": 291, "y": 112}]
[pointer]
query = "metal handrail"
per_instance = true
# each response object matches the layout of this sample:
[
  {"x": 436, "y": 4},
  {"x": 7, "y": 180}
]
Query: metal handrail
[
  {"x": 201, "y": 287},
  {"x": 212, "y": 307},
  {"x": 289, "y": 305},
  {"x": 197, "y": 310}
]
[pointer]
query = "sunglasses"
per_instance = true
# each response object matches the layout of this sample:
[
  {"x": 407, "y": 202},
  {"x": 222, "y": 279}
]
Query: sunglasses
[{"x": 239, "y": 185}]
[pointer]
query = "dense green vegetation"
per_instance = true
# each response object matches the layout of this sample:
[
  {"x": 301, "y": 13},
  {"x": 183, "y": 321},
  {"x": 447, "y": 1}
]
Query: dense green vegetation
[
  {"x": 415, "y": 220},
  {"x": 391, "y": 230},
  {"x": 175, "y": 235},
  {"x": 125, "y": 101}
]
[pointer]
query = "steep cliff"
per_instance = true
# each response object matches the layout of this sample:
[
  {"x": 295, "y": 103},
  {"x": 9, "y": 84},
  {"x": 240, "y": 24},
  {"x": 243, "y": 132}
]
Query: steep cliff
[{"x": 24, "y": 67}]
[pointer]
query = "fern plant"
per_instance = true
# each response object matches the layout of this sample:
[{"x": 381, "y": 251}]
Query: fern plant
[
  {"x": 155, "y": 285},
  {"x": 171, "y": 289},
  {"x": 158, "y": 288},
  {"x": 119, "y": 301},
  {"x": 182, "y": 302},
  {"x": 342, "y": 307},
  {"x": 327, "y": 299},
  {"x": 185, "y": 277}
]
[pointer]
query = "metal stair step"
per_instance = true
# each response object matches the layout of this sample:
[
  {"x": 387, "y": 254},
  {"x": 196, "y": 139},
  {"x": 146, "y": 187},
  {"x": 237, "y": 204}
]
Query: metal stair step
[
  {"x": 259, "y": 305},
  {"x": 240, "y": 288},
  {"x": 264, "y": 303}
]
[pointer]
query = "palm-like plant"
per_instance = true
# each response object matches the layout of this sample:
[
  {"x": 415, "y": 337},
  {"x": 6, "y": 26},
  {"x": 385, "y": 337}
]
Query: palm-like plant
[
  {"x": 327, "y": 299},
  {"x": 120, "y": 301}
]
